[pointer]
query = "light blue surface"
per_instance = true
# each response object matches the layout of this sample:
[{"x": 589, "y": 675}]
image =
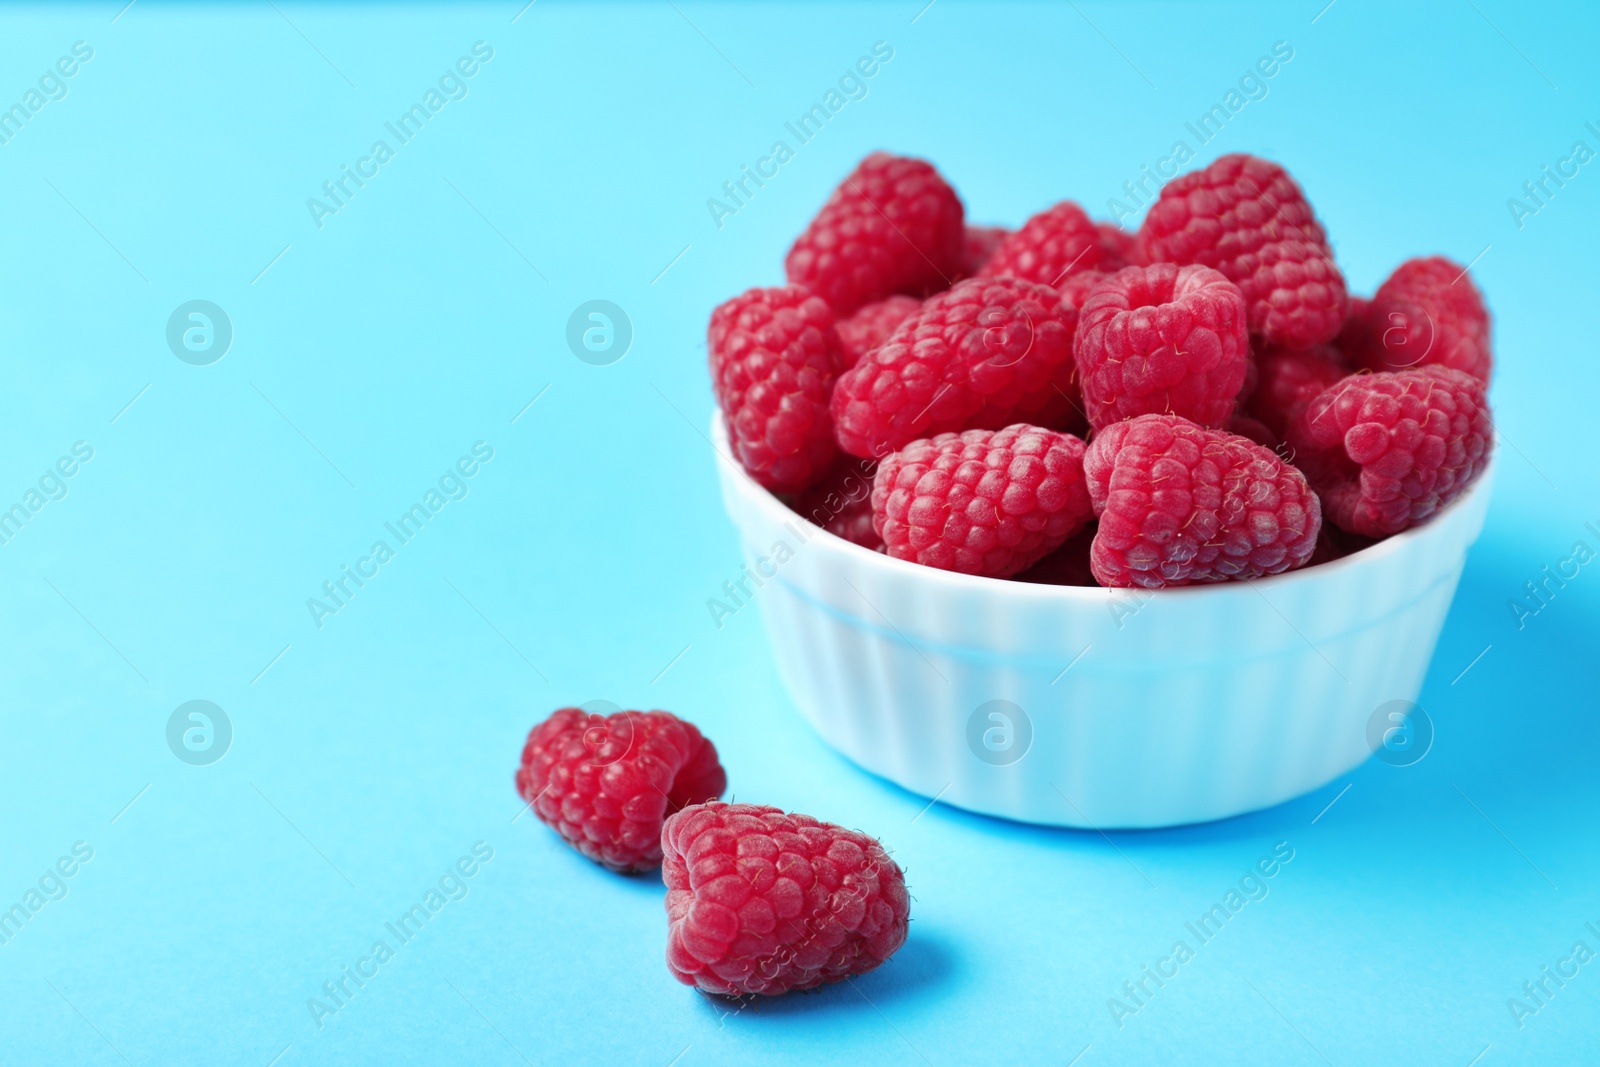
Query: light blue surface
[{"x": 370, "y": 754}]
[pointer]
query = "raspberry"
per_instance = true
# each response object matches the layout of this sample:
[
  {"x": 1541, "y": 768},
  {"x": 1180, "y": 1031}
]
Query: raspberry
[
  {"x": 893, "y": 226},
  {"x": 1388, "y": 450},
  {"x": 1427, "y": 313},
  {"x": 1049, "y": 247},
  {"x": 1181, "y": 504},
  {"x": 1289, "y": 379},
  {"x": 981, "y": 241},
  {"x": 1067, "y": 565},
  {"x": 1116, "y": 246},
  {"x": 1247, "y": 218},
  {"x": 1162, "y": 340},
  {"x": 605, "y": 782},
  {"x": 774, "y": 357},
  {"x": 990, "y": 352},
  {"x": 842, "y": 502},
  {"x": 871, "y": 326},
  {"x": 759, "y": 901},
  {"x": 981, "y": 502}
]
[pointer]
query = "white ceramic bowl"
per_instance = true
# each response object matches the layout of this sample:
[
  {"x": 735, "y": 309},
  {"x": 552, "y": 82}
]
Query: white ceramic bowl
[{"x": 1097, "y": 707}]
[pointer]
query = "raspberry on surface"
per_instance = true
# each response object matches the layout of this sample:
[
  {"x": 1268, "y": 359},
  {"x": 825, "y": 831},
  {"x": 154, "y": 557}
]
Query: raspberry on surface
[
  {"x": 774, "y": 357},
  {"x": 893, "y": 226},
  {"x": 985, "y": 354},
  {"x": 1387, "y": 450},
  {"x": 1181, "y": 504},
  {"x": 1162, "y": 340},
  {"x": 1290, "y": 378},
  {"x": 605, "y": 783},
  {"x": 871, "y": 325},
  {"x": 981, "y": 241},
  {"x": 1426, "y": 313},
  {"x": 763, "y": 902},
  {"x": 1067, "y": 565},
  {"x": 986, "y": 502},
  {"x": 1247, "y": 218},
  {"x": 1049, "y": 247},
  {"x": 842, "y": 502}
]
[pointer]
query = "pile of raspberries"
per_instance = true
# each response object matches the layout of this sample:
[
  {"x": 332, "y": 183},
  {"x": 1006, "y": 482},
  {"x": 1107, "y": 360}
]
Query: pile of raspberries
[
  {"x": 1076, "y": 404},
  {"x": 759, "y": 901}
]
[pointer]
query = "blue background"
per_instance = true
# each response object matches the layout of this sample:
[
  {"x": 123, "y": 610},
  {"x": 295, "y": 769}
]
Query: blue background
[{"x": 369, "y": 754}]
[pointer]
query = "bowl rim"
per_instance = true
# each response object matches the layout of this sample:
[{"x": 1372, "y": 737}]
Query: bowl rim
[{"x": 779, "y": 513}]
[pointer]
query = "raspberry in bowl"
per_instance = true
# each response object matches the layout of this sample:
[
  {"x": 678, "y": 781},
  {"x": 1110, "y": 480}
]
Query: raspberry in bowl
[{"x": 1187, "y": 602}]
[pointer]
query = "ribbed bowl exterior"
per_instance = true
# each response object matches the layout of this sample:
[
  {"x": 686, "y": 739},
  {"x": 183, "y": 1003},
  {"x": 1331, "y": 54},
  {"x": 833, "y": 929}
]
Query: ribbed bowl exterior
[{"x": 1119, "y": 708}]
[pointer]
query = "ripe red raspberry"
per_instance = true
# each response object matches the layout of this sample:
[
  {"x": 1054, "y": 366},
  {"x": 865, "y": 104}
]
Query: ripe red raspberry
[
  {"x": 1049, "y": 247},
  {"x": 842, "y": 502},
  {"x": 981, "y": 241},
  {"x": 774, "y": 358},
  {"x": 1427, "y": 313},
  {"x": 1116, "y": 247},
  {"x": 606, "y": 782},
  {"x": 981, "y": 502},
  {"x": 1181, "y": 504},
  {"x": 1067, "y": 565},
  {"x": 1162, "y": 340},
  {"x": 1388, "y": 450},
  {"x": 990, "y": 352},
  {"x": 1289, "y": 379},
  {"x": 759, "y": 901},
  {"x": 893, "y": 226},
  {"x": 1247, "y": 218},
  {"x": 871, "y": 326}
]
